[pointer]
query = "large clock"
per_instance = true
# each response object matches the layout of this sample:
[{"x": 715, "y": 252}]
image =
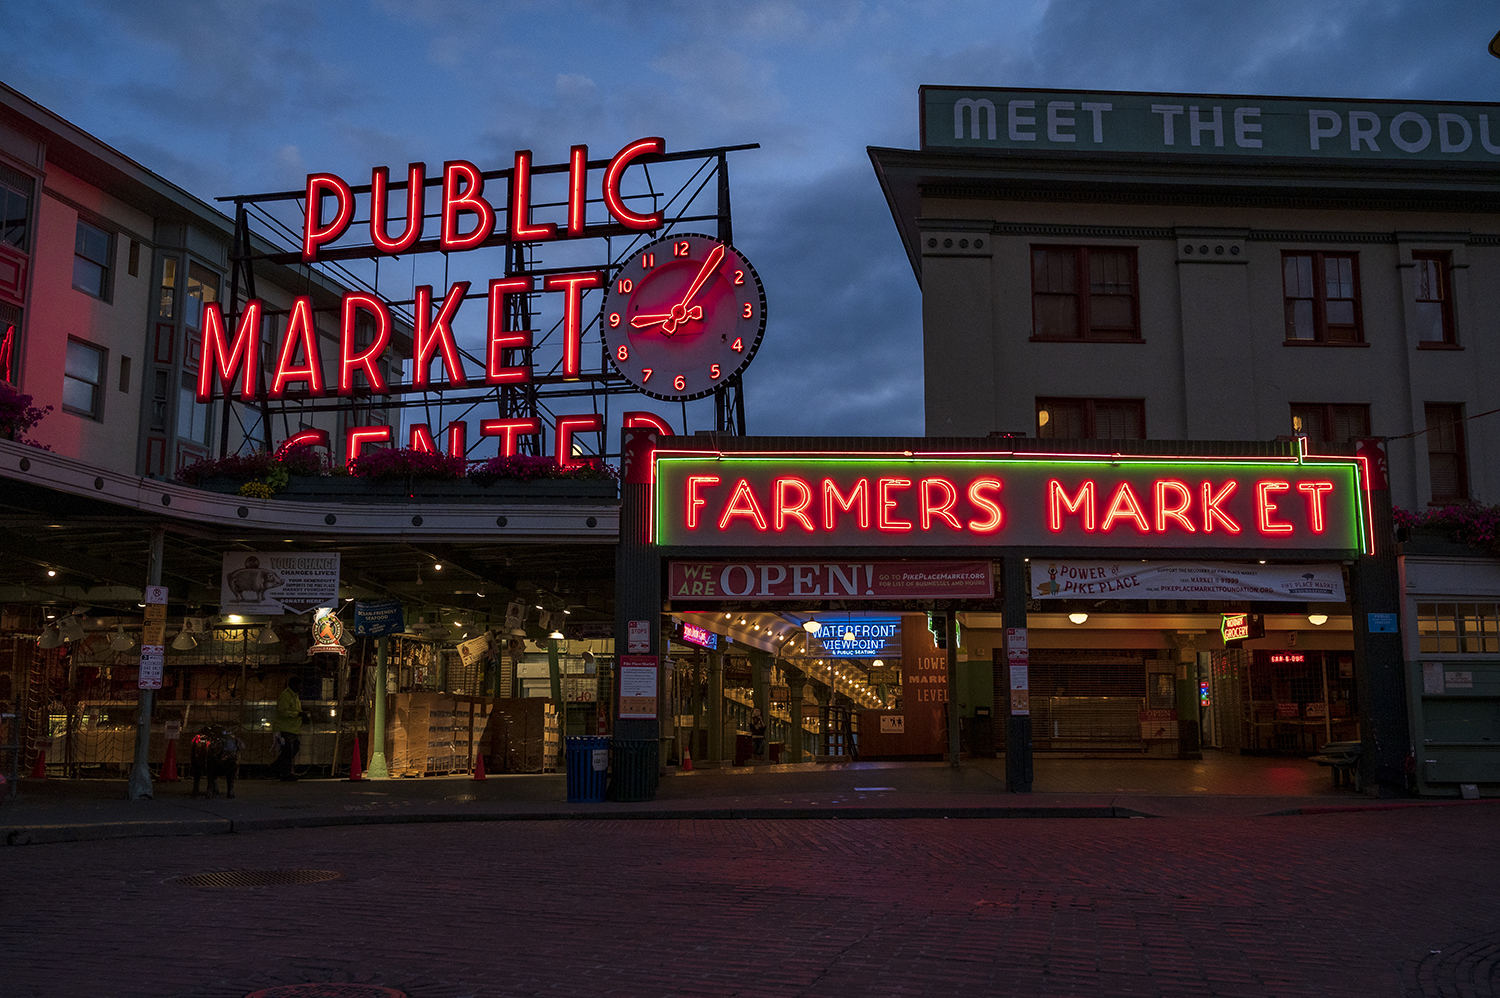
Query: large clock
[{"x": 683, "y": 316}]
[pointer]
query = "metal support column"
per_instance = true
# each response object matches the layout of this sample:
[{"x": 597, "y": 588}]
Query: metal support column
[
  {"x": 139, "y": 787},
  {"x": 1017, "y": 726},
  {"x": 379, "y": 769}
]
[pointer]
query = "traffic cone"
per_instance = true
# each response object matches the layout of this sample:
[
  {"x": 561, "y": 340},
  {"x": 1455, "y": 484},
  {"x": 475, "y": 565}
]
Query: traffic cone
[
  {"x": 479, "y": 767},
  {"x": 687, "y": 760},
  {"x": 356, "y": 770},
  {"x": 169, "y": 763},
  {"x": 39, "y": 771}
]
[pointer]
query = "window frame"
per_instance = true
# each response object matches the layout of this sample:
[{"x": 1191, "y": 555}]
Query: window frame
[
  {"x": 1460, "y": 453},
  {"x": 1327, "y": 416},
  {"x": 1083, "y": 294},
  {"x": 106, "y": 266},
  {"x": 1444, "y": 261},
  {"x": 1090, "y": 415},
  {"x": 1320, "y": 299},
  {"x": 96, "y": 412}
]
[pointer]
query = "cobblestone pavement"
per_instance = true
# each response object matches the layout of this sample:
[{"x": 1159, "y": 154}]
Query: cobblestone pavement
[{"x": 1380, "y": 902}]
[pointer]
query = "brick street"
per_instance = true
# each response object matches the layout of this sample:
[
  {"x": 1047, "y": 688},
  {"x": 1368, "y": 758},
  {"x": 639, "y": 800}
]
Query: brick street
[{"x": 1380, "y": 902}]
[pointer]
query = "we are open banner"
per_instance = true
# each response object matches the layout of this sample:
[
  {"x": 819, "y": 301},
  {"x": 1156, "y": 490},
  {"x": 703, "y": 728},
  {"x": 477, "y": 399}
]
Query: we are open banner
[{"x": 809, "y": 579}]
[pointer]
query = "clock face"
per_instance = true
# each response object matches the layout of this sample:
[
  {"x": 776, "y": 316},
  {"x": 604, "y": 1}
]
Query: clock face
[{"x": 682, "y": 316}]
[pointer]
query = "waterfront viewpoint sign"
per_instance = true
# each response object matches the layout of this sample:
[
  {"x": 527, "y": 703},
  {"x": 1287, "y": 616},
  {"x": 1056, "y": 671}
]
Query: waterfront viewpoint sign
[
  {"x": 1174, "y": 125},
  {"x": 904, "y": 500}
]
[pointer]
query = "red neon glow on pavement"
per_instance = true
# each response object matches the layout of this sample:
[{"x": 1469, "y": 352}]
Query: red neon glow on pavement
[
  {"x": 572, "y": 285},
  {"x": 499, "y": 339},
  {"x": 470, "y": 201},
  {"x": 1265, "y": 508},
  {"x": 509, "y": 430},
  {"x": 785, "y": 509},
  {"x": 314, "y": 232},
  {"x": 578, "y": 178},
  {"x": 616, "y": 170},
  {"x": 218, "y": 358},
  {"x": 434, "y": 335},
  {"x": 351, "y": 361},
  {"x": 380, "y": 208},
  {"x": 521, "y": 229},
  {"x": 358, "y": 436},
  {"x": 565, "y": 428},
  {"x": 300, "y": 331}
]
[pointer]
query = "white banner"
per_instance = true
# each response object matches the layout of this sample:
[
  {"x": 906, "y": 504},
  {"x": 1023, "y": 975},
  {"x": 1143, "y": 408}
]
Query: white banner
[
  {"x": 1058, "y": 579},
  {"x": 257, "y": 582}
]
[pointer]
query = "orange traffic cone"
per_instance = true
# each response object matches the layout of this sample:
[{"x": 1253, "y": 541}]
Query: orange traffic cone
[
  {"x": 169, "y": 763},
  {"x": 479, "y": 767},
  {"x": 39, "y": 771},
  {"x": 687, "y": 760},
  {"x": 356, "y": 770}
]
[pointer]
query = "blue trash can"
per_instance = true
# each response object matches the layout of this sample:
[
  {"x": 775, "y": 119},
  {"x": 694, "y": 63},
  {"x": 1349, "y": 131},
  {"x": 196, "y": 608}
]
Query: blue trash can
[{"x": 588, "y": 768}]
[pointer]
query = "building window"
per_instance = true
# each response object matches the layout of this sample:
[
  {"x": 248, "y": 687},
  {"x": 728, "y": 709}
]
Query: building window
[
  {"x": 91, "y": 260},
  {"x": 1084, "y": 293},
  {"x": 1458, "y": 628},
  {"x": 202, "y": 289},
  {"x": 1322, "y": 297},
  {"x": 15, "y": 208},
  {"x": 1447, "y": 465},
  {"x": 1331, "y": 424},
  {"x": 1434, "y": 298},
  {"x": 1091, "y": 419},
  {"x": 167, "y": 303},
  {"x": 83, "y": 379},
  {"x": 192, "y": 416}
]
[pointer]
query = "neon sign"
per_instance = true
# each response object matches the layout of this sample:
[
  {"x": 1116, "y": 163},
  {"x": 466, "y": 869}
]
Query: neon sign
[
  {"x": 1235, "y": 627},
  {"x": 701, "y": 636},
  {"x": 962, "y": 500}
]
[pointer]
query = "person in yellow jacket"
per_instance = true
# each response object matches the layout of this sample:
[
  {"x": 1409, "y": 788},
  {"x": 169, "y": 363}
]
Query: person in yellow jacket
[{"x": 287, "y": 728}]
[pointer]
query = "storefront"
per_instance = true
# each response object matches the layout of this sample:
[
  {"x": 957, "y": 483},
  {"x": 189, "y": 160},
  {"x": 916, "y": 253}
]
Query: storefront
[{"x": 1123, "y": 600}]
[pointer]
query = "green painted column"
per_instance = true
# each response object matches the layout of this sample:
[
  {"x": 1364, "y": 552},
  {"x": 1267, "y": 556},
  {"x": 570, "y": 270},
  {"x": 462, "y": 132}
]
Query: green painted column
[
  {"x": 797, "y": 683},
  {"x": 715, "y": 707},
  {"x": 824, "y": 696},
  {"x": 379, "y": 770},
  {"x": 554, "y": 673},
  {"x": 760, "y": 679}
]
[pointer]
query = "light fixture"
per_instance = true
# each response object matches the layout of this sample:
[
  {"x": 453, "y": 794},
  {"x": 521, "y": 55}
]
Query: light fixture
[
  {"x": 1078, "y": 617},
  {"x": 1317, "y": 619},
  {"x": 51, "y": 573},
  {"x": 71, "y": 628},
  {"x": 848, "y": 633},
  {"x": 812, "y": 627},
  {"x": 51, "y": 637},
  {"x": 878, "y": 664},
  {"x": 184, "y": 641},
  {"x": 557, "y": 636},
  {"x": 267, "y": 635},
  {"x": 437, "y": 566},
  {"x": 121, "y": 641}
]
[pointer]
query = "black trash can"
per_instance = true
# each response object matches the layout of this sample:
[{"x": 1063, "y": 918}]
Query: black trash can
[
  {"x": 634, "y": 765},
  {"x": 588, "y": 766}
]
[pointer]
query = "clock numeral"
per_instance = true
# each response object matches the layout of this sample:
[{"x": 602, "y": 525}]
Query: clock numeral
[
  {"x": 622, "y": 353},
  {"x": 680, "y": 249},
  {"x": 614, "y": 320},
  {"x": 648, "y": 260},
  {"x": 679, "y": 383},
  {"x": 748, "y": 311},
  {"x": 738, "y": 346},
  {"x": 626, "y": 285},
  {"x": 646, "y": 374},
  {"x": 739, "y": 277},
  {"x": 714, "y": 372}
]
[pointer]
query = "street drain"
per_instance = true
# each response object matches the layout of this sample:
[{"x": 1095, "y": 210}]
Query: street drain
[
  {"x": 267, "y": 878},
  {"x": 327, "y": 991}
]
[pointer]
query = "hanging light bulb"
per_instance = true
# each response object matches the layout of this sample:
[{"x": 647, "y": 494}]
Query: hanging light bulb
[
  {"x": 267, "y": 635},
  {"x": 812, "y": 627},
  {"x": 51, "y": 637},
  {"x": 71, "y": 628},
  {"x": 184, "y": 641},
  {"x": 121, "y": 641}
]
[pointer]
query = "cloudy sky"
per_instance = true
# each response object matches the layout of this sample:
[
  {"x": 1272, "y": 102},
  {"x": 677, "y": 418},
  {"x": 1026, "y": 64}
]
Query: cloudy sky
[{"x": 235, "y": 96}]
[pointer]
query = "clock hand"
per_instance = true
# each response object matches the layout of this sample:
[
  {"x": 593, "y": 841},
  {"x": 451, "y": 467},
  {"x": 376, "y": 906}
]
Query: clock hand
[
  {"x": 663, "y": 320},
  {"x": 714, "y": 259}
]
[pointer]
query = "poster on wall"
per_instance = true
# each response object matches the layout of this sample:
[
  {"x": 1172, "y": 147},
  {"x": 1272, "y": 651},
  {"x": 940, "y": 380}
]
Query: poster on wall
[
  {"x": 266, "y": 582},
  {"x": 638, "y": 687},
  {"x": 1068, "y": 579},
  {"x": 374, "y": 619}
]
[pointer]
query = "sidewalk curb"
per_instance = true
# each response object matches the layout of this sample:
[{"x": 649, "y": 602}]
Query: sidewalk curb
[
  {"x": 47, "y": 834},
  {"x": 1401, "y": 805}
]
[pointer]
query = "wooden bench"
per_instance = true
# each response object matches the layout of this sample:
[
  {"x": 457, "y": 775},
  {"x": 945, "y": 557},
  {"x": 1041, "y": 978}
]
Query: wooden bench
[{"x": 1343, "y": 759}]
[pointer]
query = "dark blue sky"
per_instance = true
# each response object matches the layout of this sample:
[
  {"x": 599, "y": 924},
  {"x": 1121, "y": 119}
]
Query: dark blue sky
[{"x": 249, "y": 95}]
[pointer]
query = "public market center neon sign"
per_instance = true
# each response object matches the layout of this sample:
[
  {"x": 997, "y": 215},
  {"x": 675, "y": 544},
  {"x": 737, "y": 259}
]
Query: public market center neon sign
[{"x": 945, "y": 500}]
